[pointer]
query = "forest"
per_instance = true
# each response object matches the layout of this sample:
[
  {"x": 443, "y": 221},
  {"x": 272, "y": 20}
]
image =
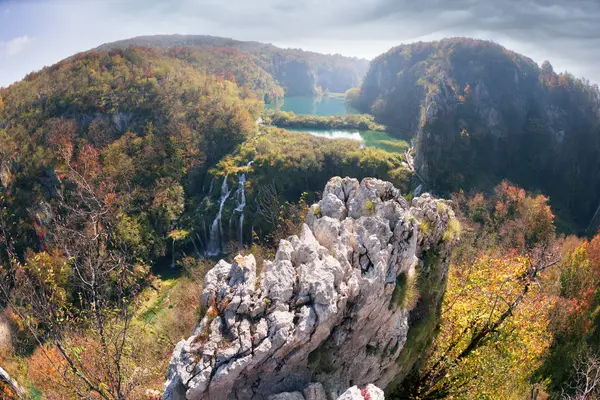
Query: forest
[
  {"x": 480, "y": 113},
  {"x": 284, "y": 119},
  {"x": 126, "y": 172},
  {"x": 298, "y": 71}
]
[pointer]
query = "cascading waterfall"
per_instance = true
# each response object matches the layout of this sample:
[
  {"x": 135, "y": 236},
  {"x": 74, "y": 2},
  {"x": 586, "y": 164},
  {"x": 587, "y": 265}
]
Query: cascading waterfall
[
  {"x": 240, "y": 195},
  {"x": 216, "y": 229}
]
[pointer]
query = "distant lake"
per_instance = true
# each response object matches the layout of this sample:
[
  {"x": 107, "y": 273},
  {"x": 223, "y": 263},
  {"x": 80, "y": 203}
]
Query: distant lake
[
  {"x": 310, "y": 105},
  {"x": 380, "y": 140},
  {"x": 325, "y": 106}
]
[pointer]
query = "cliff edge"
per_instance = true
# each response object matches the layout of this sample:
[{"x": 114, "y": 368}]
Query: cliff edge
[{"x": 331, "y": 313}]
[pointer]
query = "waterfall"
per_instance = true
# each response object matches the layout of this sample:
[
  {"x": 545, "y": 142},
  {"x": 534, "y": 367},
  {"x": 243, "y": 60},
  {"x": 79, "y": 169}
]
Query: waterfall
[
  {"x": 242, "y": 229},
  {"x": 240, "y": 197},
  {"x": 204, "y": 231},
  {"x": 216, "y": 229},
  {"x": 418, "y": 190}
]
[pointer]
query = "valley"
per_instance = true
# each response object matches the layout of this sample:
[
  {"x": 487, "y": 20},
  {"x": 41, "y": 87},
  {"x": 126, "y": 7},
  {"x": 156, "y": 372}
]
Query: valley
[{"x": 130, "y": 173}]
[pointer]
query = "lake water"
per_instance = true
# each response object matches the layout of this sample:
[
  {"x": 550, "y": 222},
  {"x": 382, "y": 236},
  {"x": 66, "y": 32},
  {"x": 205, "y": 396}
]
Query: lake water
[
  {"x": 324, "y": 106},
  {"x": 309, "y": 105},
  {"x": 380, "y": 140}
]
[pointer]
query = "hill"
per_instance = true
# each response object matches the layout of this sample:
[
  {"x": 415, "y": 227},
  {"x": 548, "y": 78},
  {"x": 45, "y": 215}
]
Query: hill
[
  {"x": 299, "y": 72},
  {"x": 157, "y": 131},
  {"x": 479, "y": 113}
]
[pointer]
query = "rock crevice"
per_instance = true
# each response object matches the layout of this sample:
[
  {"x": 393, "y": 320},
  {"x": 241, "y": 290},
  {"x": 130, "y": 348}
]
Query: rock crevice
[{"x": 329, "y": 308}]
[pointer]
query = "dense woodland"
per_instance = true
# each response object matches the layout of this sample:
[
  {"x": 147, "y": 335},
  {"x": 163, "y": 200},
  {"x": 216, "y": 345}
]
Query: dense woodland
[
  {"x": 480, "y": 113},
  {"x": 299, "y": 72},
  {"x": 284, "y": 119},
  {"x": 113, "y": 165}
]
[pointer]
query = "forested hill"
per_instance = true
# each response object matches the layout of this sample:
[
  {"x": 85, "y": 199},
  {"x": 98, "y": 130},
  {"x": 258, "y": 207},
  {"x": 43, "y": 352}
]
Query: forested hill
[
  {"x": 299, "y": 72},
  {"x": 156, "y": 128},
  {"x": 480, "y": 113}
]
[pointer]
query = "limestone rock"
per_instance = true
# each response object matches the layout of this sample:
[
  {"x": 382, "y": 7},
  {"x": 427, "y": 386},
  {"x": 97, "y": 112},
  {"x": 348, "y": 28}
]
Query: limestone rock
[
  {"x": 287, "y": 396},
  {"x": 324, "y": 310},
  {"x": 370, "y": 392},
  {"x": 315, "y": 391}
]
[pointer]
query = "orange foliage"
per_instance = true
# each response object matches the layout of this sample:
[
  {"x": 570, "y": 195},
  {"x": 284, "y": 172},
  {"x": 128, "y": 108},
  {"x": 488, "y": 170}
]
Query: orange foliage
[
  {"x": 593, "y": 253},
  {"x": 468, "y": 91},
  {"x": 87, "y": 163},
  {"x": 47, "y": 369},
  {"x": 6, "y": 392},
  {"x": 61, "y": 134},
  {"x": 52, "y": 374}
]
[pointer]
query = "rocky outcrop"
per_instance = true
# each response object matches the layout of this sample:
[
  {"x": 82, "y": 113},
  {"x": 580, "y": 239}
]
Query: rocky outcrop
[
  {"x": 315, "y": 391},
  {"x": 332, "y": 307}
]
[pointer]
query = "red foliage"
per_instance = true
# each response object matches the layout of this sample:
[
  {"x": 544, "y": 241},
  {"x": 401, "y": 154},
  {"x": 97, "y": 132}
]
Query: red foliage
[
  {"x": 365, "y": 393},
  {"x": 87, "y": 163},
  {"x": 60, "y": 135}
]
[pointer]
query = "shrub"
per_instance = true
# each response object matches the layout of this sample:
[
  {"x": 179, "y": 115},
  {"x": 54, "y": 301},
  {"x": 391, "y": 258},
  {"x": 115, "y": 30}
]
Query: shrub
[
  {"x": 452, "y": 231},
  {"x": 370, "y": 207}
]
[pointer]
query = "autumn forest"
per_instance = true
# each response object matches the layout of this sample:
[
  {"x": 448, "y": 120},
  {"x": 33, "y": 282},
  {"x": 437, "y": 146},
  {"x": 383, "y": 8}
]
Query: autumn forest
[{"x": 128, "y": 171}]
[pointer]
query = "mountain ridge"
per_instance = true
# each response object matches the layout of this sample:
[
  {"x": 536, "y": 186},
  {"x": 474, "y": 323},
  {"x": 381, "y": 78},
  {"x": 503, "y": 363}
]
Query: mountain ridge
[
  {"x": 315, "y": 72},
  {"x": 479, "y": 113}
]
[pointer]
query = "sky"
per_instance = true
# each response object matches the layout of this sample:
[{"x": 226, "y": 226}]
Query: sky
[{"x": 37, "y": 33}]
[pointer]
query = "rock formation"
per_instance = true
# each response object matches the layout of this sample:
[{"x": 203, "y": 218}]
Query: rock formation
[{"x": 331, "y": 308}]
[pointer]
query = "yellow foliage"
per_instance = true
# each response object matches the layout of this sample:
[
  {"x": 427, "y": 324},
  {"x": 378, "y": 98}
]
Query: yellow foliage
[{"x": 477, "y": 296}]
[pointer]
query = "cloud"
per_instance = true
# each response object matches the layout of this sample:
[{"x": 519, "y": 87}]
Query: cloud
[
  {"x": 16, "y": 45},
  {"x": 564, "y": 32}
]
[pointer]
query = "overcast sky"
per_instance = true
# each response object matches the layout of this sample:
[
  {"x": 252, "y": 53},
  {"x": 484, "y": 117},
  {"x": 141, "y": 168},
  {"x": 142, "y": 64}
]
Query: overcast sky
[{"x": 36, "y": 33}]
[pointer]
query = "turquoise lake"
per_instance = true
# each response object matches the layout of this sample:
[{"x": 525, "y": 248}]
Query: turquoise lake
[{"x": 324, "y": 106}]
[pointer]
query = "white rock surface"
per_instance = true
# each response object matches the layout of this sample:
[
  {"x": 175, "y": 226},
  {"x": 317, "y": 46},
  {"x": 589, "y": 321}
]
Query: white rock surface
[
  {"x": 322, "y": 311},
  {"x": 370, "y": 392}
]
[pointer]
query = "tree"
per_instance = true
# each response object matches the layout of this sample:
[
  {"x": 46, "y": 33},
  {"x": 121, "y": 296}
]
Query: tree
[
  {"x": 495, "y": 315},
  {"x": 587, "y": 379},
  {"x": 352, "y": 98},
  {"x": 268, "y": 200},
  {"x": 169, "y": 203},
  {"x": 574, "y": 321},
  {"x": 494, "y": 321},
  {"x": 77, "y": 300}
]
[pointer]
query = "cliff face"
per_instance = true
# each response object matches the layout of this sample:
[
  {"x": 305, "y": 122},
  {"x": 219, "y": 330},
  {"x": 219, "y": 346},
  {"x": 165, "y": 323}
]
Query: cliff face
[
  {"x": 480, "y": 113},
  {"x": 334, "y": 307}
]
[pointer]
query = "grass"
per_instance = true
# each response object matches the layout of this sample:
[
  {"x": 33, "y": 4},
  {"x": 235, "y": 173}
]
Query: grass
[
  {"x": 424, "y": 318},
  {"x": 406, "y": 292},
  {"x": 394, "y": 144},
  {"x": 425, "y": 227},
  {"x": 370, "y": 207},
  {"x": 418, "y": 339},
  {"x": 440, "y": 207},
  {"x": 34, "y": 393},
  {"x": 156, "y": 301},
  {"x": 452, "y": 231}
]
